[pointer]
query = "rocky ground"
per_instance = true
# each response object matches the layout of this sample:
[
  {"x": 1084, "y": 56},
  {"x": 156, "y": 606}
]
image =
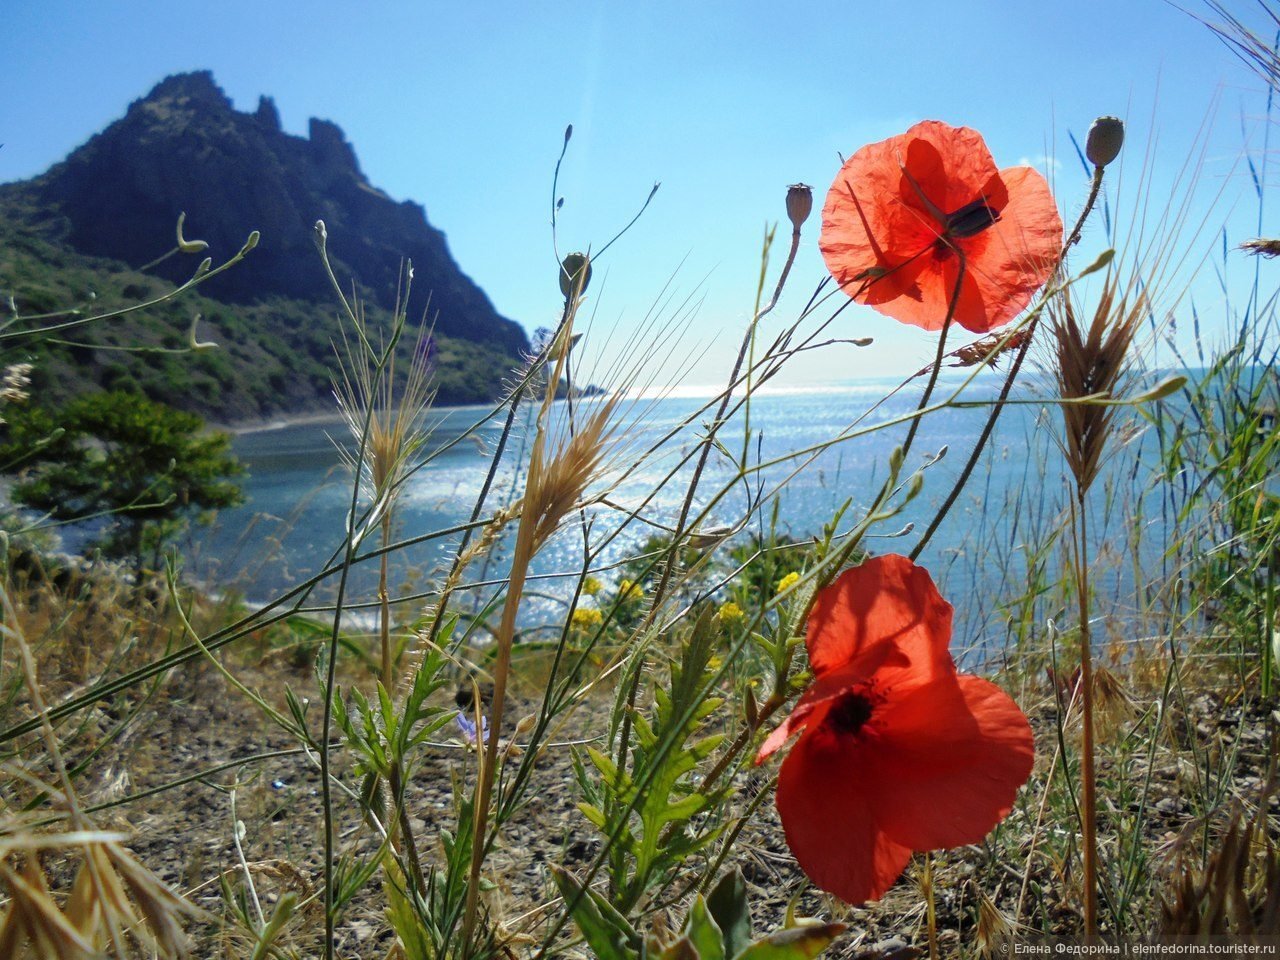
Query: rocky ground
[{"x": 186, "y": 834}]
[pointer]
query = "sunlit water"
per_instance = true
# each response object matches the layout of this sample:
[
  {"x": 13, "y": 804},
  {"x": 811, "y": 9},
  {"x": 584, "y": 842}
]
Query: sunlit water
[{"x": 299, "y": 494}]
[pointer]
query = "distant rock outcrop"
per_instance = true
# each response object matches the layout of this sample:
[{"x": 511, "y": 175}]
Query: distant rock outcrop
[{"x": 184, "y": 147}]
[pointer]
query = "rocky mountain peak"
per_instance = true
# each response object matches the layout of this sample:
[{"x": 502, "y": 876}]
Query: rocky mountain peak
[{"x": 184, "y": 147}]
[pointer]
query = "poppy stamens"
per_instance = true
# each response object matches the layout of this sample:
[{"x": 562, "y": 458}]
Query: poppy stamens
[
  {"x": 971, "y": 219},
  {"x": 850, "y": 713}
]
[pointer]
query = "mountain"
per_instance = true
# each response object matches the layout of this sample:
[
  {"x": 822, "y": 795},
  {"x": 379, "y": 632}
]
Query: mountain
[{"x": 93, "y": 220}]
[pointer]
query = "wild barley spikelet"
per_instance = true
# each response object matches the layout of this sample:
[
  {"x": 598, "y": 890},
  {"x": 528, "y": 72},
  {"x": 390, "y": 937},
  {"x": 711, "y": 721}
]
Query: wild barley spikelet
[
  {"x": 1093, "y": 361},
  {"x": 557, "y": 482},
  {"x": 1262, "y": 247}
]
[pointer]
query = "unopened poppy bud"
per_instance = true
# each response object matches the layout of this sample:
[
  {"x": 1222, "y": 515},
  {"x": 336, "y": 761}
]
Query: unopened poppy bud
[
  {"x": 1106, "y": 137},
  {"x": 799, "y": 203},
  {"x": 570, "y": 281}
]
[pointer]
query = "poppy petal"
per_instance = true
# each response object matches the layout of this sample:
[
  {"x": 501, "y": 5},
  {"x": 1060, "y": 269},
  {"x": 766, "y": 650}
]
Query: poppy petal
[
  {"x": 949, "y": 759},
  {"x": 810, "y": 710},
  {"x": 883, "y": 618},
  {"x": 1015, "y": 257},
  {"x": 830, "y": 823},
  {"x": 795, "y": 723},
  {"x": 951, "y": 165}
]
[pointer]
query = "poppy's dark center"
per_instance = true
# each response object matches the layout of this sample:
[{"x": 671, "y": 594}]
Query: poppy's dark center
[
  {"x": 850, "y": 712},
  {"x": 971, "y": 219}
]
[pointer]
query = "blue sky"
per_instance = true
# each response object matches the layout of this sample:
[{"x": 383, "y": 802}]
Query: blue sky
[{"x": 462, "y": 106}]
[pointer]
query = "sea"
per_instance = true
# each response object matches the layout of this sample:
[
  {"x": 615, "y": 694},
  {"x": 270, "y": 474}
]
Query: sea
[{"x": 813, "y": 454}]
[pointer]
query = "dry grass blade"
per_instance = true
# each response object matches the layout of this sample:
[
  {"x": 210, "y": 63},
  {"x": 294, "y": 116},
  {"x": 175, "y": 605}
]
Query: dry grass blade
[
  {"x": 995, "y": 933},
  {"x": 1237, "y": 891},
  {"x": 1093, "y": 361},
  {"x": 33, "y": 926},
  {"x": 1251, "y": 47}
]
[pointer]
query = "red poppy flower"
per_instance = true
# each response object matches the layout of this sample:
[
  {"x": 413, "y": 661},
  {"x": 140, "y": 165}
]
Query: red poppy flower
[
  {"x": 903, "y": 212},
  {"x": 897, "y": 752}
]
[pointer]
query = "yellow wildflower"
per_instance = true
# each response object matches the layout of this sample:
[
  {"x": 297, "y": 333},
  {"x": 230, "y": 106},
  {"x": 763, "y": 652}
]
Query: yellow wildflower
[
  {"x": 630, "y": 591},
  {"x": 789, "y": 581},
  {"x": 585, "y": 618},
  {"x": 591, "y": 586},
  {"x": 730, "y": 613}
]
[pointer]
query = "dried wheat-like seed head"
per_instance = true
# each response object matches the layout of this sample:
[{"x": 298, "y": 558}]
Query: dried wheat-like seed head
[
  {"x": 33, "y": 926},
  {"x": 384, "y": 410},
  {"x": 995, "y": 933},
  {"x": 1237, "y": 891},
  {"x": 113, "y": 901},
  {"x": 557, "y": 481},
  {"x": 1093, "y": 360}
]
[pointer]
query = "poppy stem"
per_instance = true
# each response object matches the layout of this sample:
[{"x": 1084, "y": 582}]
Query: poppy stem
[
  {"x": 1014, "y": 368},
  {"x": 942, "y": 351}
]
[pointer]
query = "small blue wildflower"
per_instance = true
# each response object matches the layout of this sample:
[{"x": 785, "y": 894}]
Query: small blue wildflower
[{"x": 467, "y": 726}]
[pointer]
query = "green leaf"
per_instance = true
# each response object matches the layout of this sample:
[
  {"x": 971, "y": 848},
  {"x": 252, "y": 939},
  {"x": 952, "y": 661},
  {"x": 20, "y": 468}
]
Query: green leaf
[
  {"x": 795, "y": 943},
  {"x": 594, "y": 814},
  {"x": 683, "y": 809},
  {"x": 607, "y": 932},
  {"x": 728, "y": 905},
  {"x": 702, "y": 931}
]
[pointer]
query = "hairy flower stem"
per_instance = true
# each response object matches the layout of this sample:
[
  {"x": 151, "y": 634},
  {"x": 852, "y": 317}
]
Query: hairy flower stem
[
  {"x": 330, "y": 684},
  {"x": 397, "y": 817},
  {"x": 1088, "y": 775},
  {"x": 931, "y": 908},
  {"x": 384, "y": 607},
  {"x": 1014, "y": 368},
  {"x": 521, "y": 557}
]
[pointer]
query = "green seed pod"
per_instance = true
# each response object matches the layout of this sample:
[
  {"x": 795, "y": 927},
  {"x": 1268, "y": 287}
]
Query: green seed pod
[
  {"x": 799, "y": 203},
  {"x": 895, "y": 460},
  {"x": 571, "y": 284},
  {"x": 1106, "y": 137}
]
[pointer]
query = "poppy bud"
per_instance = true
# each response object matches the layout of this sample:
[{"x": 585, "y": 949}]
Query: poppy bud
[
  {"x": 1106, "y": 137},
  {"x": 799, "y": 203},
  {"x": 573, "y": 265}
]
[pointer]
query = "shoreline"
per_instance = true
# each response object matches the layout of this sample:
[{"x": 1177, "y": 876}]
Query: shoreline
[{"x": 281, "y": 422}]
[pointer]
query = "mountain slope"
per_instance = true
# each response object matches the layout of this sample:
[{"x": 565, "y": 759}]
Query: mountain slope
[{"x": 184, "y": 147}]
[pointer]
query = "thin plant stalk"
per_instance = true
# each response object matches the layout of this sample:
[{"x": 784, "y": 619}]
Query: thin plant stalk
[
  {"x": 1015, "y": 368},
  {"x": 522, "y": 555},
  {"x": 1088, "y": 774}
]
